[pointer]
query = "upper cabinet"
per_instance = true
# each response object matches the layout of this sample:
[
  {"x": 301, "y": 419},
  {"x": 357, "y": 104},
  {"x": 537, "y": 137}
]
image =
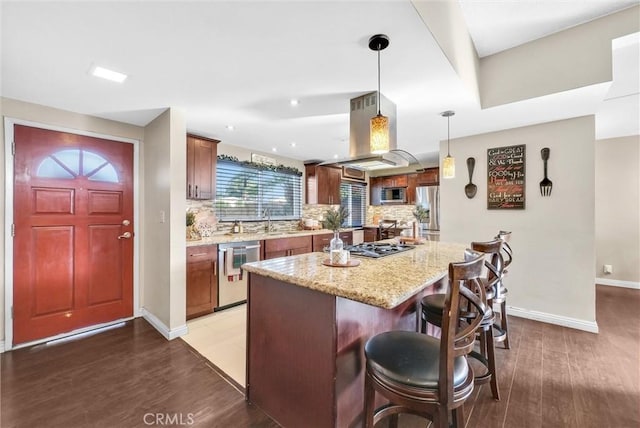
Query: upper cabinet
[
  {"x": 395, "y": 181},
  {"x": 201, "y": 167},
  {"x": 430, "y": 177},
  {"x": 375, "y": 185},
  {"x": 412, "y": 180},
  {"x": 322, "y": 184}
]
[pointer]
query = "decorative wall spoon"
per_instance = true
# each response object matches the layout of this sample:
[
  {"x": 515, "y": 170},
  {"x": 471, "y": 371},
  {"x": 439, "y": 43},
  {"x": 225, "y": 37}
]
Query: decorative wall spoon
[{"x": 470, "y": 189}]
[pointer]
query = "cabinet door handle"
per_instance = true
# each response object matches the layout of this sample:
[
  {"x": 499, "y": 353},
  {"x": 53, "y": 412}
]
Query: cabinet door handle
[
  {"x": 189, "y": 190},
  {"x": 215, "y": 268},
  {"x": 196, "y": 190}
]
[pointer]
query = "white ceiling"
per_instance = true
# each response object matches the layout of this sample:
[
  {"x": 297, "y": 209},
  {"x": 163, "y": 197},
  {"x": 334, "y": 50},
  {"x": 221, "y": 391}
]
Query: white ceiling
[{"x": 240, "y": 63}]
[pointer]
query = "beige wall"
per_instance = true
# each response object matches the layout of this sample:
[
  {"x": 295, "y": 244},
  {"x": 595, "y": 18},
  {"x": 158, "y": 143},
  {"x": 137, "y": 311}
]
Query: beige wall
[
  {"x": 618, "y": 209},
  {"x": 565, "y": 60},
  {"x": 163, "y": 252},
  {"x": 48, "y": 116},
  {"x": 445, "y": 21},
  {"x": 552, "y": 277}
]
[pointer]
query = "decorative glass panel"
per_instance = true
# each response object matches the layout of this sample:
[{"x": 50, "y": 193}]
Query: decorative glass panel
[
  {"x": 106, "y": 173},
  {"x": 49, "y": 168},
  {"x": 70, "y": 159},
  {"x": 67, "y": 163},
  {"x": 91, "y": 162}
]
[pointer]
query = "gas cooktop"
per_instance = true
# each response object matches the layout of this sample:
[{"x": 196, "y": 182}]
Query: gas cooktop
[{"x": 376, "y": 250}]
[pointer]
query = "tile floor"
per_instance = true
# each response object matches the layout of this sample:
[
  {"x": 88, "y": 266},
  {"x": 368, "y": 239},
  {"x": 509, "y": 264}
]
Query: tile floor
[{"x": 221, "y": 338}]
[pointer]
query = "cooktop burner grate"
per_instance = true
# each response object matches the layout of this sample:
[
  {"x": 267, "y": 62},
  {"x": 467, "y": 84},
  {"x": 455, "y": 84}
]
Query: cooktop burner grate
[{"x": 376, "y": 250}]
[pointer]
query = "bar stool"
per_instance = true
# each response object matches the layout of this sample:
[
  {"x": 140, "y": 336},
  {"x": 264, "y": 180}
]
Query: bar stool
[
  {"x": 387, "y": 229},
  {"x": 501, "y": 291},
  {"x": 421, "y": 374},
  {"x": 432, "y": 309}
]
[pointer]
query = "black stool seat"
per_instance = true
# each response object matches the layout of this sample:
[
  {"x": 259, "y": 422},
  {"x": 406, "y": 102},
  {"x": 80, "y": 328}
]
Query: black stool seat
[
  {"x": 432, "y": 307},
  {"x": 411, "y": 358}
]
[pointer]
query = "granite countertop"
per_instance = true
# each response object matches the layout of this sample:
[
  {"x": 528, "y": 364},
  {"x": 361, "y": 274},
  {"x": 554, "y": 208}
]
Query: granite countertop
[
  {"x": 222, "y": 238},
  {"x": 384, "y": 282}
]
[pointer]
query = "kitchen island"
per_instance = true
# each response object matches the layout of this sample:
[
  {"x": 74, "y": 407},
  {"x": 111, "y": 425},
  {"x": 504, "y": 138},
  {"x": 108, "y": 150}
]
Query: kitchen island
[{"x": 307, "y": 324}]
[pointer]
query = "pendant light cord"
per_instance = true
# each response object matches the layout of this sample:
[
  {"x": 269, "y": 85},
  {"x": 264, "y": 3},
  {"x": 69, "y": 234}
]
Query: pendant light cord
[
  {"x": 379, "y": 47},
  {"x": 448, "y": 134}
]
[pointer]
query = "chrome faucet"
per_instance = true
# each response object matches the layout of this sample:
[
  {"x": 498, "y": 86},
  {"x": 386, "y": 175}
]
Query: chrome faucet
[{"x": 267, "y": 213}]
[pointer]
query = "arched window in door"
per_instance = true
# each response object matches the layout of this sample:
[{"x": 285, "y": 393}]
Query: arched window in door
[{"x": 72, "y": 163}]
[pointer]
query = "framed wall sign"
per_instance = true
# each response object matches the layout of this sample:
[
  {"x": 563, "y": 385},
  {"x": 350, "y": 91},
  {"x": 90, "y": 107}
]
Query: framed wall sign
[
  {"x": 255, "y": 157},
  {"x": 506, "y": 177}
]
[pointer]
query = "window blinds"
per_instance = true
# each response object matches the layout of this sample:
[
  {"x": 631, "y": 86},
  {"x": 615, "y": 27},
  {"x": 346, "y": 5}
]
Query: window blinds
[
  {"x": 353, "y": 198},
  {"x": 244, "y": 192}
]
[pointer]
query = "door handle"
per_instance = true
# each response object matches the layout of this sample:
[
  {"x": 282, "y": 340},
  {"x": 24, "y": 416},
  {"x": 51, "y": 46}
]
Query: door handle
[{"x": 126, "y": 235}]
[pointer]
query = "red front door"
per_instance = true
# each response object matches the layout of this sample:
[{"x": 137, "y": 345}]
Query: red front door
[{"x": 73, "y": 244}]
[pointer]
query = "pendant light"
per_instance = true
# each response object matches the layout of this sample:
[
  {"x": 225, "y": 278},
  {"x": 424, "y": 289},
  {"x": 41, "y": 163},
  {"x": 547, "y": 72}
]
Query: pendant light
[
  {"x": 379, "y": 133},
  {"x": 448, "y": 164}
]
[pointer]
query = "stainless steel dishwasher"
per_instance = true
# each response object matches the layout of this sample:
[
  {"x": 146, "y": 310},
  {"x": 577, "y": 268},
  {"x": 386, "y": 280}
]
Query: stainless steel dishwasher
[{"x": 232, "y": 280}]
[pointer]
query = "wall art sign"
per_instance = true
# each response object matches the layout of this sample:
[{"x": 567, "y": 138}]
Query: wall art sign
[{"x": 506, "y": 177}]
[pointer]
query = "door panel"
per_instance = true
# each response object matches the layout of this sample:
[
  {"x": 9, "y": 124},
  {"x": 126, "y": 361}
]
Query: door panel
[
  {"x": 73, "y": 202},
  {"x": 52, "y": 270},
  {"x": 105, "y": 264}
]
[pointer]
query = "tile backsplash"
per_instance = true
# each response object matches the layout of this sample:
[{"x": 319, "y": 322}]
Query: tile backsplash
[
  {"x": 207, "y": 222},
  {"x": 402, "y": 213}
]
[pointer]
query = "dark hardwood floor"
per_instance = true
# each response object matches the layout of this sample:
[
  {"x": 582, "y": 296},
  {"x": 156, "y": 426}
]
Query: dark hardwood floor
[
  {"x": 126, "y": 377},
  {"x": 551, "y": 377}
]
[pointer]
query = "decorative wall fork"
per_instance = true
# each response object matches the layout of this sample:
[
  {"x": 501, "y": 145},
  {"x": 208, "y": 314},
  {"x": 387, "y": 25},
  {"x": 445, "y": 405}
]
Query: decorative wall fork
[{"x": 545, "y": 184}]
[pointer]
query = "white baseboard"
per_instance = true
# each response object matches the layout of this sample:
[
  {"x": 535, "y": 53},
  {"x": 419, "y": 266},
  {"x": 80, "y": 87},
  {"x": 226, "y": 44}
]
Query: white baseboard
[
  {"x": 2, "y": 346},
  {"x": 168, "y": 333},
  {"x": 590, "y": 326},
  {"x": 618, "y": 283}
]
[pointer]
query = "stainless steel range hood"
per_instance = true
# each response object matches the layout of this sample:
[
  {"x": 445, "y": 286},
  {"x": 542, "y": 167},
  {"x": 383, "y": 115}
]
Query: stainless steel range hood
[{"x": 363, "y": 108}]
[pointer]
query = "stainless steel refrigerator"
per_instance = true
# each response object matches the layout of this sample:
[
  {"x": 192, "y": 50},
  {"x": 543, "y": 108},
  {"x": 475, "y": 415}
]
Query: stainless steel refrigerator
[{"x": 429, "y": 198}]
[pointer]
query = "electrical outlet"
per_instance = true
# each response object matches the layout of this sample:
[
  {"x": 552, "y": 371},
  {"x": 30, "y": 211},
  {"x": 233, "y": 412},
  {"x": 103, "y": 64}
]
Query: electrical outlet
[
  {"x": 608, "y": 269},
  {"x": 162, "y": 216}
]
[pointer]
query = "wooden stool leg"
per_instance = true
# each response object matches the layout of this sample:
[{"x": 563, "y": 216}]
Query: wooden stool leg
[
  {"x": 491, "y": 358},
  {"x": 393, "y": 421},
  {"x": 504, "y": 323},
  {"x": 458, "y": 417},
  {"x": 369, "y": 401},
  {"x": 483, "y": 343}
]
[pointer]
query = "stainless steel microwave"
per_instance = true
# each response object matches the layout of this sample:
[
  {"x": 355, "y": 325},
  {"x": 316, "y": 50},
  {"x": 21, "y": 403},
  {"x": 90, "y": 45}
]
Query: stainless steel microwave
[{"x": 393, "y": 195}]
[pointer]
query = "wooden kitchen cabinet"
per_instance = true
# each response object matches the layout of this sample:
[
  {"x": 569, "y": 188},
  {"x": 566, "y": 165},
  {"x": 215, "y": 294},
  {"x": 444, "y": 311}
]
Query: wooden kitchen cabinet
[
  {"x": 412, "y": 180},
  {"x": 202, "y": 155},
  {"x": 430, "y": 177},
  {"x": 322, "y": 184},
  {"x": 322, "y": 240},
  {"x": 202, "y": 280},
  {"x": 282, "y": 247},
  {"x": 370, "y": 234},
  {"x": 375, "y": 192},
  {"x": 395, "y": 180}
]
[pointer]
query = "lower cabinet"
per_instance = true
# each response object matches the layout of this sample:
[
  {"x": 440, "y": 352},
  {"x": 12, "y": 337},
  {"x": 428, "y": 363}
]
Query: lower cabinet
[
  {"x": 281, "y": 247},
  {"x": 322, "y": 240},
  {"x": 370, "y": 234},
  {"x": 202, "y": 280}
]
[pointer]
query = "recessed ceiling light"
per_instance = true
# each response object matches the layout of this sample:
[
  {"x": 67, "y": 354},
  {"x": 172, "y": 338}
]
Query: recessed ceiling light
[
  {"x": 294, "y": 102},
  {"x": 230, "y": 127},
  {"x": 335, "y": 156},
  {"x": 293, "y": 144},
  {"x": 105, "y": 73},
  {"x": 274, "y": 149}
]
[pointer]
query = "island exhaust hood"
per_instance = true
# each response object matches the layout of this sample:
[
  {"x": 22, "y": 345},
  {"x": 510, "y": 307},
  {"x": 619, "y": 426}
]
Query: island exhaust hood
[{"x": 363, "y": 108}]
